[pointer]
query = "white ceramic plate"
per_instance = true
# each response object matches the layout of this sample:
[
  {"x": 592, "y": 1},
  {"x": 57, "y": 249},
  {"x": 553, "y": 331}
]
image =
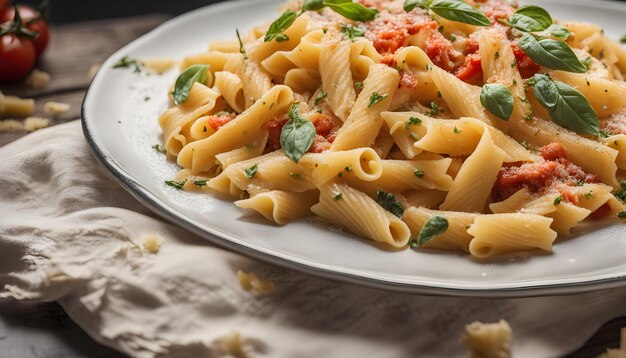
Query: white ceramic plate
[{"x": 121, "y": 126}]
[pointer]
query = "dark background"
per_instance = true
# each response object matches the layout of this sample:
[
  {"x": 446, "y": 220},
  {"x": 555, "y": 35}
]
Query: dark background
[{"x": 62, "y": 11}]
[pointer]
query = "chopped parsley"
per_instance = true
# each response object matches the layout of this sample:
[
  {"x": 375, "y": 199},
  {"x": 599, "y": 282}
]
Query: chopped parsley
[
  {"x": 320, "y": 97},
  {"x": 588, "y": 195},
  {"x": 457, "y": 131},
  {"x": 434, "y": 109},
  {"x": 414, "y": 136},
  {"x": 178, "y": 185},
  {"x": 623, "y": 39},
  {"x": 413, "y": 121},
  {"x": 621, "y": 215},
  {"x": 352, "y": 32},
  {"x": 622, "y": 184},
  {"x": 337, "y": 197},
  {"x": 452, "y": 38},
  {"x": 358, "y": 85},
  {"x": 558, "y": 200},
  {"x": 128, "y": 62},
  {"x": 581, "y": 183},
  {"x": 251, "y": 172},
  {"x": 389, "y": 202},
  {"x": 200, "y": 182},
  {"x": 375, "y": 98},
  {"x": 419, "y": 173},
  {"x": 349, "y": 168},
  {"x": 158, "y": 148}
]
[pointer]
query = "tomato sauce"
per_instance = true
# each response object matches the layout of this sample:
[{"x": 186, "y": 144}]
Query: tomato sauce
[
  {"x": 556, "y": 171},
  {"x": 389, "y": 32},
  {"x": 526, "y": 67},
  {"x": 471, "y": 70},
  {"x": 217, "y": 122}
]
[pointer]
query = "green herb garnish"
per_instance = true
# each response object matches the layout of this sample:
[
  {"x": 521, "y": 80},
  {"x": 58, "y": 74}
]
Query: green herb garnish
[
  {"x": 375, "y": 98},
  {"x": 297, "y": 135},
  {"x": 178, "y": 185},
  {"x": 454, "y": 10},
  {"x": 567, "y": 107},
  {"x": 434, "y": 227},
  {"x": 193, "y": 74},
  {"x": 497, "y": 99},
  {"x": 389, "y": 202},
  {"x": 251, "y": 172}
]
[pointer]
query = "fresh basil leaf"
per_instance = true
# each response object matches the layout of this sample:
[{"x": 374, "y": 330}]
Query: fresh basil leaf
[
  {"x": 352, "y": 32},
  {"x": 193, "y": 74},
  {"x": 567, "y": 107},
  {"x": 434, "y": 227},
  {"x": 351, "y": 10},
  {"x": 389, "y": 202},
  {"x": 457, "y": 10},
  {"x": 498, "y": 100},
  {"x": 559, "y": 31},
  {"x": 297, "y": 135},
  {"x": 530, "y": 18},
  {"x": 312, "y": 5},
  {"x": 412, "y": 4},
  {"x": 552, "y": 54},
  {"x": 283, "y": 23}
]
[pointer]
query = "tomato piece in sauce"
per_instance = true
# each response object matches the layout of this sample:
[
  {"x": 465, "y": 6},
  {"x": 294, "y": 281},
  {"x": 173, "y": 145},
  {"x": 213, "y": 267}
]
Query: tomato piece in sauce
[
  {"x": 471, "y": 70},
  {"x": 538, "y": 177},
  {"x": 274, "y": 128},
  {"x": 216, "y": 122},
  {"x": 526, "y": 67}
]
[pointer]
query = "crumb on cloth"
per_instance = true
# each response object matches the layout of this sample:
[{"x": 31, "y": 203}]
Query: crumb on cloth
[
  {"x": 488, "y": 340},
  {"x": 56, "y": 108},
  {"x": 152, "y": 243},
  {"x": 32, "y": 124},
  {"x": 254, "y": 284}
]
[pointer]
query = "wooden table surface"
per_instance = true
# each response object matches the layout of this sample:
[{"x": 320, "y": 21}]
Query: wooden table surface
[{"x": 73, "y": 50}]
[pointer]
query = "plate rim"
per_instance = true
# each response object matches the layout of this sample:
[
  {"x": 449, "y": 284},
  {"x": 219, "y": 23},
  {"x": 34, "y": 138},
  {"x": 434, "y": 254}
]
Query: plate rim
[{"x": 308, "y": 266}]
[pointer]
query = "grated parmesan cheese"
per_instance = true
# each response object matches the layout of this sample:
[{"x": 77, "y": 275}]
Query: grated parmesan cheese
[
  {"x": 37, "y": 79},
  {"x": 152, "y": 243},
  {"x": 56, "y": 108},
  {"x": 258, "y": 286},
  {"x": 618, "y": 352},
  {"x": 11, "y": 125},
  {"x": 32, "y": 124},
  {"x": 488, "y": 340}
]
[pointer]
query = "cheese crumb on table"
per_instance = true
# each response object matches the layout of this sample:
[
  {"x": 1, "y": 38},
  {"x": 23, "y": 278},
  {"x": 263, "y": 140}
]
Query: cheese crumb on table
[
  {"x": 37, "y": 79},
  {"x": 152, "y": 243},
  {"x": 488, "y": 340},
  {"x": 618, "y": 352},
  {"x": 32, "y": 124},
  {"x": 11, "y": 125},
  {"x": 11, "y": 105},
  {"x": 256, "y": 285},
  {"x": 56, "y": 108}
]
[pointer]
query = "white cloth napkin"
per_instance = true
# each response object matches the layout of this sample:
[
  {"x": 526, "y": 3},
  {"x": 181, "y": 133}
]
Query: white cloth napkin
[{"x": 69, "y": 233}]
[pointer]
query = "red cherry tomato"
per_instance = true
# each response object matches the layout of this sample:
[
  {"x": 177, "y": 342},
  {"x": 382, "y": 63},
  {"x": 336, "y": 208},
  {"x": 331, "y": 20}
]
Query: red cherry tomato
[
  {"x": 40, "y": 26},
  {"x": 17, "y": 57}
]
